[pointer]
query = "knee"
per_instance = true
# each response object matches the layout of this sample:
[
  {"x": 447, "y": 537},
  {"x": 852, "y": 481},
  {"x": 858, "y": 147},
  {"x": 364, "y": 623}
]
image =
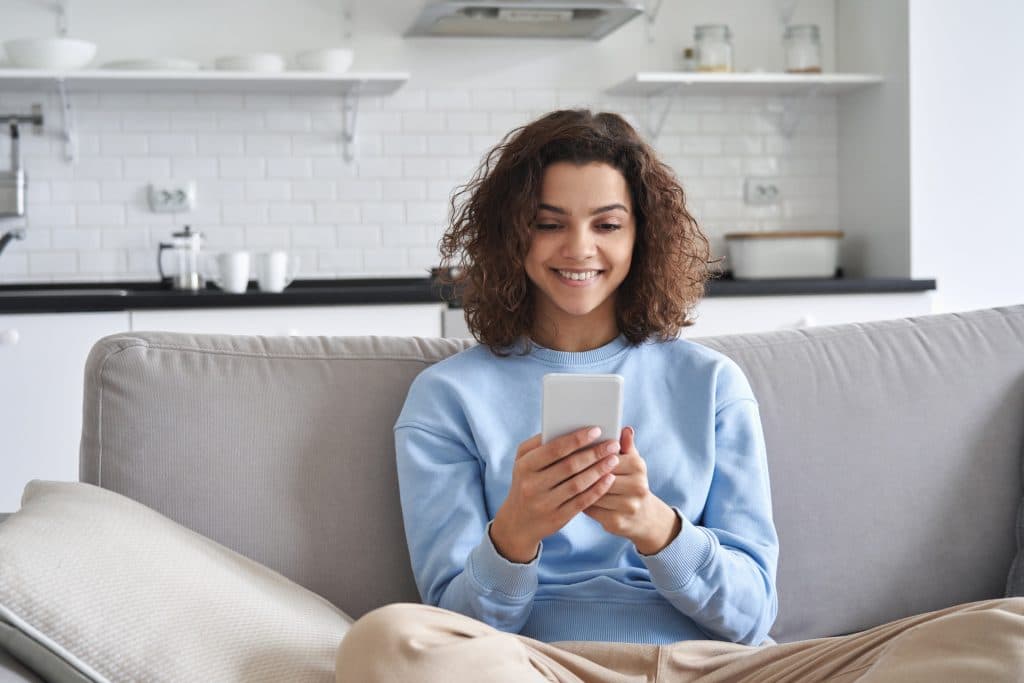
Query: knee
[
  {"x": 380, "y": 627},
  {"x": 377, "y": 634}
]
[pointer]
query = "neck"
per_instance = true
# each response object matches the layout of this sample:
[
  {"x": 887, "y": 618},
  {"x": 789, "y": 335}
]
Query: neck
[{"x": 573, "y": 336}]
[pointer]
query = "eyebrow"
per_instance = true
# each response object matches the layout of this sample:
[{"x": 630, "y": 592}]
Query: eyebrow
[{"x": 601, "y": 209}]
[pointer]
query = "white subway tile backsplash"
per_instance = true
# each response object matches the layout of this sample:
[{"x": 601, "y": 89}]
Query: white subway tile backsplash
[
  {"x": 75, "y": 238},
  {"x": 243, "y": 167},
  {"x": 405, "y": 190},
  {"x": 383, "y": 212},
  {"x": 404, "y": 145},
  {"x": 291, "y": 212},
  {"x": 67, "y": 191},
  {"x": 195, "y": 167},
  {"x": 287, "y": 167},
  {"x": 101, "y": 214},
  {"x": 100, "y": 262},
  {"x": 313, "y": 190},
  {"x": 270, "y": 172},
  {"x": 147, "y": 168},
  {"x": 359, "y": 235},
  {"x": 268, "y": 190},
  {"x": 193, "y": 121},
  {"x": 58, "y": 262},
  {"x": 177, "y": 144},
  {"x": 250, "y": 213},
  {"x": 270, "y": 144},
  {"x": 443, "y": 99},
  {"x": 220, "y": 144}
]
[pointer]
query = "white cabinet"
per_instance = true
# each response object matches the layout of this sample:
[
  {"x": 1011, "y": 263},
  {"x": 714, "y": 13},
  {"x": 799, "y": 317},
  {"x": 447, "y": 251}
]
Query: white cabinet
[
  {"x": 740, "y": 314},
  {"x": 420, "y": 320},
  {"x": 42, "y": 364}
]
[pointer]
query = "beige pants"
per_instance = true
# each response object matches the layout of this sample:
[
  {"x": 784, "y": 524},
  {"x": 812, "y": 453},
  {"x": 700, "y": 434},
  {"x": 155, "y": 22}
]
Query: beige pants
[{"x": 972, "y": 643}]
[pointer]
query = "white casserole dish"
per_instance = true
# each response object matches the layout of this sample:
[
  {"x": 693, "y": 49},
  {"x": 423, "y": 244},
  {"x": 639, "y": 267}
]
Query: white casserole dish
[{"x": 783, "y": 253}]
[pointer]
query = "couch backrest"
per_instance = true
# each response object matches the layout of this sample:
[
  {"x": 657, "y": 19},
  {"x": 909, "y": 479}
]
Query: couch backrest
[{"x": 894, "y": 452}]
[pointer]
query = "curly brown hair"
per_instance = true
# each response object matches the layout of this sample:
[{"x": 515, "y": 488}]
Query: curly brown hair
[{"x": 484, "y": 248}]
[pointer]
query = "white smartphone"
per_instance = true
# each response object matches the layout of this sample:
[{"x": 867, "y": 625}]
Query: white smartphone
[{"x": 572, "y": 401}]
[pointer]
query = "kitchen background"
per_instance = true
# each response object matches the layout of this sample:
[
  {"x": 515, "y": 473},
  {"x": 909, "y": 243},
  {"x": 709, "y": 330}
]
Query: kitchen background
[{"x": 928, "y": 196}]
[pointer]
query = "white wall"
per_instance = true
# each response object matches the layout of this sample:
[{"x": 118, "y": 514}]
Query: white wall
[
  {"x": 967, "y": 149},
  {"x": 269, "y": 170}
]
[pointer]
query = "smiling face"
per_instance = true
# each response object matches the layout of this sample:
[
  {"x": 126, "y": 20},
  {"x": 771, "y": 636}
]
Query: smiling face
[{"x": 580, "y": 252}]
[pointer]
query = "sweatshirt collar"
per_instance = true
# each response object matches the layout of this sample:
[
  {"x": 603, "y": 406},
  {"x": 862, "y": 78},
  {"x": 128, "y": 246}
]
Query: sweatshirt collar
[{"x": 597, "y": 355}]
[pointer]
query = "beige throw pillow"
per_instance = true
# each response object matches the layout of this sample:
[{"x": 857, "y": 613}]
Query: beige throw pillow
[{"x": 121, "y": 593}]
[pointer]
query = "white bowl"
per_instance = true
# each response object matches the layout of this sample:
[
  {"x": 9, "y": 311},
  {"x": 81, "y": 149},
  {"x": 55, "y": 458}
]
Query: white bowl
[
  {"x": 264, "y": 62},
  {"x": 50, "y": 53},
  {"x": 334, "y": 59},
  {"x": 783, "y": 254}
]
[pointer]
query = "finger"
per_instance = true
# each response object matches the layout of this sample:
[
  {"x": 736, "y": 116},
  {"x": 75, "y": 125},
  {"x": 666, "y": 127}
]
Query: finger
[
  {"x": 528, "y": 445},
  {"x": 628, "y": 439},
  {"x": 571, "y": 465},
  {"x": 543, "y": 455},
  {"x": 582, "y": 490}
]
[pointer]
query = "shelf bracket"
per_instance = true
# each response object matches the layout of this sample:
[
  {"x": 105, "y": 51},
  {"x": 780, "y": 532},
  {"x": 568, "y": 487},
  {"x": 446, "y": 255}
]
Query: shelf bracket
[
  {"x": 68, "y": 122},
  {"x": 794, "y": 108},
  {"x": 349, "y": 115},
  {"x": 651, "y": 15},
  {"x": 63, "y": 9},
  {"x": 654, "y": 126}
]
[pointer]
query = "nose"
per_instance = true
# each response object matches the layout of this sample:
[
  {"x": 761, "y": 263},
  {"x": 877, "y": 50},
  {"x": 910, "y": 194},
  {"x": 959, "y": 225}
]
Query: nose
[{"x": 579, "y": 244}]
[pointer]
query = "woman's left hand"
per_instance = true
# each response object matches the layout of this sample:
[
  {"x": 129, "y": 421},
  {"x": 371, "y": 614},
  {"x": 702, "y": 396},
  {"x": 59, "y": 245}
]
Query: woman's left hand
[{"x": 629, "y": 509}]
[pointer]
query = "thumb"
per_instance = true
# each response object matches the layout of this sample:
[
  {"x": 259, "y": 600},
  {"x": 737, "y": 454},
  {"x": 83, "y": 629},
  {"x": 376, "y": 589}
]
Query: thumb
[{"x": 627, "y": 441}]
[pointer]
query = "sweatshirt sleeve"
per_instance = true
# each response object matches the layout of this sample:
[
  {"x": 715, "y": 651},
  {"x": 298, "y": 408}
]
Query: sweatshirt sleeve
[
  {"x": 721, "y": 573},
  {"x": 447, "y": 529}
]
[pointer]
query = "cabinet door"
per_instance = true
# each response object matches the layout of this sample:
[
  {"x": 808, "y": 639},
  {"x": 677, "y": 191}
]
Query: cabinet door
[
  {"x": 42, "y": 365},
  {"x": 737, "y": 315},
  {"x": 419, "y": 320}
]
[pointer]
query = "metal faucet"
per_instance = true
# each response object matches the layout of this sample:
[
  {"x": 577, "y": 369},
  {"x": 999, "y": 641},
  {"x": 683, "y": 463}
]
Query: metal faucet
[{"x": 12, "y": 189}]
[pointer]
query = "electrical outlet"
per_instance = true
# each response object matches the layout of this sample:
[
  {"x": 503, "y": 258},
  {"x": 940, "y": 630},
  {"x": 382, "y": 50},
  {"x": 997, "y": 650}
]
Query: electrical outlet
[
  {"x": 761, "y": 191},
  {"x": 172, "y": 197}
]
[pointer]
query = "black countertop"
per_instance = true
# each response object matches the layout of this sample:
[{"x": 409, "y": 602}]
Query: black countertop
[{"x": 122, "y": 296}]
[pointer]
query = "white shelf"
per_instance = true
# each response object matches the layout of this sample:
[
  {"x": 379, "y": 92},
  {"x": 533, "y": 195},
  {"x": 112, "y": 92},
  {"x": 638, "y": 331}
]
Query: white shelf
[
  {"x": 648, "y": 83},
  {"x": 293, "y": 82}
]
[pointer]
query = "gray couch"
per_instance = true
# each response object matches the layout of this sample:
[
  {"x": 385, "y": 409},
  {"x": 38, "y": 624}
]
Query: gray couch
[{"x": 894, "y": 451}]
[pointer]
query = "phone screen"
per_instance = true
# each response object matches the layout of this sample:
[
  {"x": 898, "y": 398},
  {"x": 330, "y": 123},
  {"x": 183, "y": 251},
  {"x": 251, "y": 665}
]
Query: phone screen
[{"x": 572, "y": 401}]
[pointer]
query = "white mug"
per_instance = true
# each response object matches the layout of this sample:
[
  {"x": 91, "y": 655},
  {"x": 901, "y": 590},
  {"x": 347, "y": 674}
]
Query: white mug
[
  {"x": 275, "y": 270},
  {"x": 233, "y": 271}
]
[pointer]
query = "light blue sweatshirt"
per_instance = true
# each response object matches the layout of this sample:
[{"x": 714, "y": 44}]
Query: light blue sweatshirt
[{"x": 699, "y": 432}]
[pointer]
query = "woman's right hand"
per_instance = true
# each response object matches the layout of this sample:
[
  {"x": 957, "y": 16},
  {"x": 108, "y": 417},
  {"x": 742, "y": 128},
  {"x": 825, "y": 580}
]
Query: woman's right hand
[{"x": 551, "y": 483}]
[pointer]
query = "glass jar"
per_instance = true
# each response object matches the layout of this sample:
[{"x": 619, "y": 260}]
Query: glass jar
[
  {"x": 714, "y": 47},
  {"x": 803, "y": 49}
]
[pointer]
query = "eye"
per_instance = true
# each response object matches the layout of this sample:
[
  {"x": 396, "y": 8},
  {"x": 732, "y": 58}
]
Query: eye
[
  {"x": 546, "y": 226},
  {"x": 609, "y": 226}
]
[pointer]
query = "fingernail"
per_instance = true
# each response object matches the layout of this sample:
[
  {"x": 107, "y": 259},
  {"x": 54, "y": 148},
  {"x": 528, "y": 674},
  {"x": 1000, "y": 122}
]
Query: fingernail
[
  {"x": 611, "y": 447},
  {"x": 594, "y": 432},
  {"x": 632, "y": 433}
]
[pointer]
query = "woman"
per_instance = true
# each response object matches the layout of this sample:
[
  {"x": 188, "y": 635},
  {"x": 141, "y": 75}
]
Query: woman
[{"x": 591, "y": 557}]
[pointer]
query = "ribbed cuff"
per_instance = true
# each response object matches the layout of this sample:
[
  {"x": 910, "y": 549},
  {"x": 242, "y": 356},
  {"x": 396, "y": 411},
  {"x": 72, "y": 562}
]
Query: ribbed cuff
[
  {"x": 497, "y": 575},
  {"x": 678, "y": 562}
]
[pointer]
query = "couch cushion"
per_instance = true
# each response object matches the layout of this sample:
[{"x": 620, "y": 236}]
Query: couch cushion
[
  {"x": 119, "y": 592},
  {"x": 280, "y": 448},
  {"x": 894, "y": 451}
]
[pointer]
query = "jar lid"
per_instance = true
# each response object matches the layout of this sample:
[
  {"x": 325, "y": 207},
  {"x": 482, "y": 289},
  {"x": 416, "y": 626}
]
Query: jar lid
[{"x": 810, "y": 30}]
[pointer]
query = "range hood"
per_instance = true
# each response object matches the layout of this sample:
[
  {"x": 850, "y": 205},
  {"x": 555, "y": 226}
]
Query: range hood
[{"x": 581, "y": 19}]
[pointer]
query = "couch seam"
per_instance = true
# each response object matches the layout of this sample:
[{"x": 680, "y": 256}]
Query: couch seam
[{"x": 250, "y": 354}]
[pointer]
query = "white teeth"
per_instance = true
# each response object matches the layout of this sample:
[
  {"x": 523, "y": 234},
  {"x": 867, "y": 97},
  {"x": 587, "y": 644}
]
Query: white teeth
[{"x": 586, "y": 275}]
